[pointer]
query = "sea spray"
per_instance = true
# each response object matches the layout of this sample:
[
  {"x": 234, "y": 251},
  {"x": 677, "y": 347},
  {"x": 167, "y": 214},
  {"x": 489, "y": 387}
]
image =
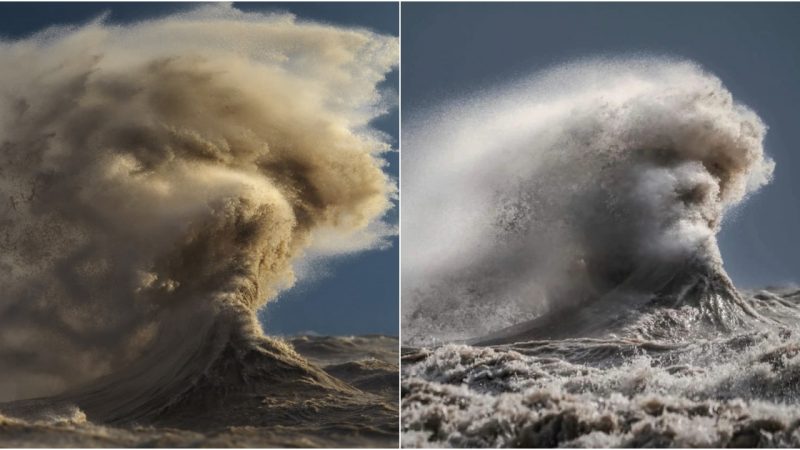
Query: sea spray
[
  {"x": 597, "y": 179},
  {"x": 159, "y": 180}
]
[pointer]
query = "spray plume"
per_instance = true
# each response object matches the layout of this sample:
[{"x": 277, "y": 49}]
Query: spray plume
[
  {"x": 598, "y": 179},
  {"x": 159, "y": 181}
]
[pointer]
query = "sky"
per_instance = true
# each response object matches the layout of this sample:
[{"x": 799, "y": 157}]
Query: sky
[
  {"x": 451, "y": 50},
  {"x": 352, "y": 295}
]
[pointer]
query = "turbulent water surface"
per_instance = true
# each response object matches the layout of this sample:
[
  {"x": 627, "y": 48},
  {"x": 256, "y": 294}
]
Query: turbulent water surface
[
  {"x": 740, "y": 389},
  {"x": 569, "y": 290},
  {"x": 334, "y": 392}
]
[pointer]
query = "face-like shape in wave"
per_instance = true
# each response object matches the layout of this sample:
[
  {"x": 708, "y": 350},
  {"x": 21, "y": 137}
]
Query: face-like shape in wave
[
  {"x": 599, "y": 176},
  {"x": 160, "y": 174}
]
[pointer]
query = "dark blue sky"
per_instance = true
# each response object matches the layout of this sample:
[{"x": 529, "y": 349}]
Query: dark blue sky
[
  {"x": 453, "y": 49},
  {"x": 360, "y": 293}
]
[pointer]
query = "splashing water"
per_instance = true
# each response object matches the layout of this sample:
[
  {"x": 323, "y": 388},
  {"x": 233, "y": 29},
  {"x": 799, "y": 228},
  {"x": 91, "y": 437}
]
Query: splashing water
[
  {"x": 574, "y": 247},
  {"x": 159, "y": 182}
]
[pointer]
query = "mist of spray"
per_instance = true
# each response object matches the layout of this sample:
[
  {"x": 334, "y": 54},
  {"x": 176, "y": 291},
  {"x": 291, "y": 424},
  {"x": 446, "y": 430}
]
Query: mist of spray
[
  {"x": 597, "y": 176},
  {"x": 155, "y": 177}
]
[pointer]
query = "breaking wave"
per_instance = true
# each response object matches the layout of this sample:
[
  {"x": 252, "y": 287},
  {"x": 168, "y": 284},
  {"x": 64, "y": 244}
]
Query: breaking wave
[
  {"x": 562, "y": 283},
  {"x": 600, "y": 183},
  {"x": 160, "y": 181}
]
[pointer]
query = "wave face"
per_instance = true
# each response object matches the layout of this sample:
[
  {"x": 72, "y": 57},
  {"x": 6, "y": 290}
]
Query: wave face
[
  {"x": 162, "y": 179},
  {"x": 573, "y": 272}
]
